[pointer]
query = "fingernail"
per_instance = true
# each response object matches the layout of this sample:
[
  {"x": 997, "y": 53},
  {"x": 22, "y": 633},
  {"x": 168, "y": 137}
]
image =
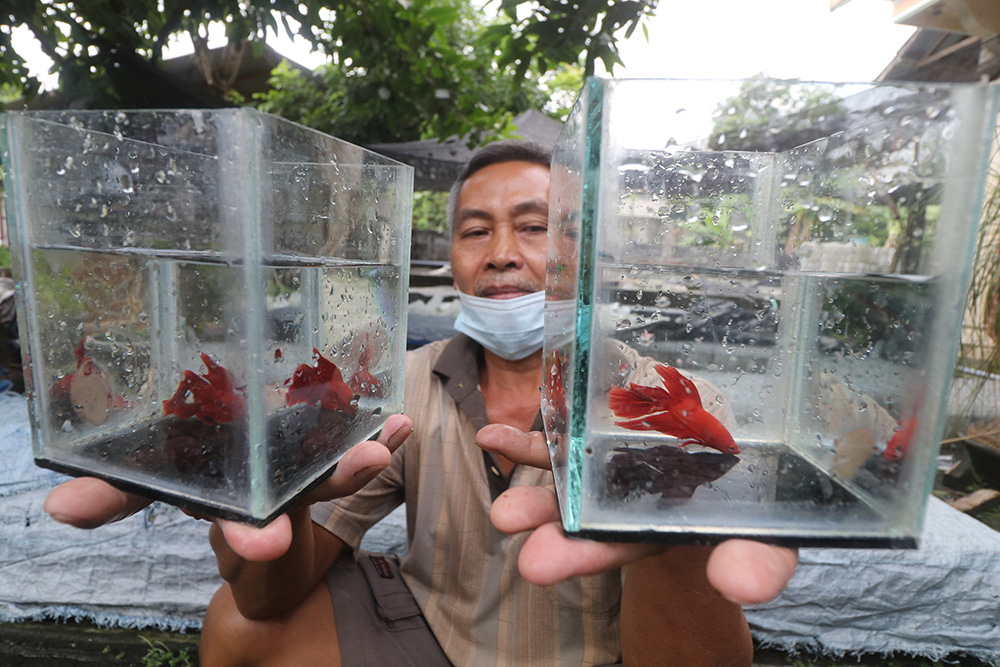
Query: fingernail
[
  {"x": 398, "y": 436},
  {"x": 366, "y": 475}
]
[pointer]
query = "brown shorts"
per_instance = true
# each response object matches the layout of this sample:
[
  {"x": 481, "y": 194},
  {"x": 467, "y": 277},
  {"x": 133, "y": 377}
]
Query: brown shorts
[{"x": 378, "y": 621}]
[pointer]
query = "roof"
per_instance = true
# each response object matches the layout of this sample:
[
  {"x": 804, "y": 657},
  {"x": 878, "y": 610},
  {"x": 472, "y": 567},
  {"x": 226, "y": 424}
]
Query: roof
[
  {"x": 255, "y": 66},
  {"x": 937, "y": 55}
]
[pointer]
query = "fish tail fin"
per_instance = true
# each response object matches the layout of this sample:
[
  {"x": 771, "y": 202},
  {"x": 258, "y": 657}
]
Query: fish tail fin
[
  {"x": 637, "y": 401},
  {"x": 664, "y": 422}
]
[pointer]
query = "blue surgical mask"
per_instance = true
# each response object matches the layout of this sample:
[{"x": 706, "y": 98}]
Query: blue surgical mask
[{"x": 509, "y": 328}]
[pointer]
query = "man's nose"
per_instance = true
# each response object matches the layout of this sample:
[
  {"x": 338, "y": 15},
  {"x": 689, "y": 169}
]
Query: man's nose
[{"x": 504, "y": 251}]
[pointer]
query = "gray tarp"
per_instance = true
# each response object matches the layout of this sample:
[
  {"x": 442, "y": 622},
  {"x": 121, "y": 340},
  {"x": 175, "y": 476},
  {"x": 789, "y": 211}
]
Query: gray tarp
[
  {"x": 156, "y": 570},
  {"x": 941, "y": 598}
]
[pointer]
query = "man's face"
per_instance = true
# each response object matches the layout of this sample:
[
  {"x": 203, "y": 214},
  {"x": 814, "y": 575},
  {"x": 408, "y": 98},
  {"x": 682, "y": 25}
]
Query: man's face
[{"x": 501, "y": 219}]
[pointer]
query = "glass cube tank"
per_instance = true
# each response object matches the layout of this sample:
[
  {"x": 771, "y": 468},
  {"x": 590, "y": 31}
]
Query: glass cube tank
[
  {"x": 211, "y": 302},
  {"x": 754, "y": 301}
]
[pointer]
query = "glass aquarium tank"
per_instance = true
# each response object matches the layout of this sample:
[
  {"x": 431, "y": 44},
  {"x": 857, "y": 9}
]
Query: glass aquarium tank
[
  {"x": 211, "y": 302},
  {"x": 754, "y": 302}
]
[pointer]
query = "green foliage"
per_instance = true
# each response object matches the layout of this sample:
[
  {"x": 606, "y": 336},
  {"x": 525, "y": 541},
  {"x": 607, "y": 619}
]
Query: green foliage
[
  {"x": 51, "y": 287},
  {"x": 428, "y": 86},
  {"x": 5, "y": 256},
  {"x": 822, "y": 202},
  {"x": 430, "y": 211},
  {"x": 563, "y": 84},
  {"x": 397, "y": 69},
  {"x": 713, "y": 225},
  {"x": 744, "y": 121},
  {"x": 160, "y": 655},
  {"x": 8, "y": 93}
]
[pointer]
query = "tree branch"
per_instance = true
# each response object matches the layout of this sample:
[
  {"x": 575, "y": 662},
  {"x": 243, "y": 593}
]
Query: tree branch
[{"x": 170, "y": 26}]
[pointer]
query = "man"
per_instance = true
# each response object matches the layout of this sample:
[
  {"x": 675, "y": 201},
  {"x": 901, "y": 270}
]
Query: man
[{"x": 293, "y": 593}]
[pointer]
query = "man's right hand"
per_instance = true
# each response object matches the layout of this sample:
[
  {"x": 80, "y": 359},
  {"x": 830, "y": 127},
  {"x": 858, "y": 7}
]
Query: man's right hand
[
  {"x": 271, "y": 570},
  {"x": 360, "y": 465},
  {"x": 87, "y": 502}
]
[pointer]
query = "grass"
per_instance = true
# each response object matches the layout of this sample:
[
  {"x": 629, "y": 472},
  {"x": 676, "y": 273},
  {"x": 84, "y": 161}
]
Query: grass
[
  {"x": 161, "y": 655},
  {"x": 58, "y": 644}
]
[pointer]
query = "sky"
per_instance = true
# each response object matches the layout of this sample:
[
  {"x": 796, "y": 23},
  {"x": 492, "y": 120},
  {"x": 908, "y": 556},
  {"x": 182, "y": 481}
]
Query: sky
[
  {"x": 792, "y": 39},
  {"x": 722, "y": 39}
]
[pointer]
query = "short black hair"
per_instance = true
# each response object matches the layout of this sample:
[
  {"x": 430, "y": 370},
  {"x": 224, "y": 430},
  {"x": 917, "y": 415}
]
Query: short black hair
[{"x": 508, "y": 150}]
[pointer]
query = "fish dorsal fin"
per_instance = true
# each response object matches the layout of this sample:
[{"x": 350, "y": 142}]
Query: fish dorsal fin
[{"x": 682, "y": 390}]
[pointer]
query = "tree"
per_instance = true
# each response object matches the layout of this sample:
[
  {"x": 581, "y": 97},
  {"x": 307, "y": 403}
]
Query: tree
[
  {"x": 430, "y": 86},
  {"x": 745, "y": 121},
  {"x": 108, "y": 52}
]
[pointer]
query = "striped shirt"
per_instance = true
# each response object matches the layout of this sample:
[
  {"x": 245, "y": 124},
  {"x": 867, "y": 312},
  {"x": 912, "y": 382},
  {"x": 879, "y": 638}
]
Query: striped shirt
[{"x": 461, "y": 570}]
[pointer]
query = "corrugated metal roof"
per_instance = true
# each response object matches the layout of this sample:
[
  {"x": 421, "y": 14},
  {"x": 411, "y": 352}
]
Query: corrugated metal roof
[{"x": 936, "y": 55}]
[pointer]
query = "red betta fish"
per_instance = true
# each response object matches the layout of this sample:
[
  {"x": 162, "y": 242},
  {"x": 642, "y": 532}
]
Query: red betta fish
[
  {"x": 899, "y": 443},
  {"x": 362, "y": 381},
  {"x": 556, "y": 367},
  {"x": 676, "y": 411},
  {"x": 213, "y": 397},
  {"x": 323, "y": 384}
]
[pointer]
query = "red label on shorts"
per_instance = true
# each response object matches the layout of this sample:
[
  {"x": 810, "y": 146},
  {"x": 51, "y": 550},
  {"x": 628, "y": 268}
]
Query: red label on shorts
[{"x": 382, "y": 567}]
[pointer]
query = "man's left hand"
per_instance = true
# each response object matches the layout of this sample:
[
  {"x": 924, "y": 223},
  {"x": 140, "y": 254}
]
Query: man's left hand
[{"x": 743, "y": 571}]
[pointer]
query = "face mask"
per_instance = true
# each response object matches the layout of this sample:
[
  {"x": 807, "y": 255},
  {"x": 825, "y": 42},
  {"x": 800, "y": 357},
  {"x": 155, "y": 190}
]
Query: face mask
[{"x": 509, "y": 328}]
